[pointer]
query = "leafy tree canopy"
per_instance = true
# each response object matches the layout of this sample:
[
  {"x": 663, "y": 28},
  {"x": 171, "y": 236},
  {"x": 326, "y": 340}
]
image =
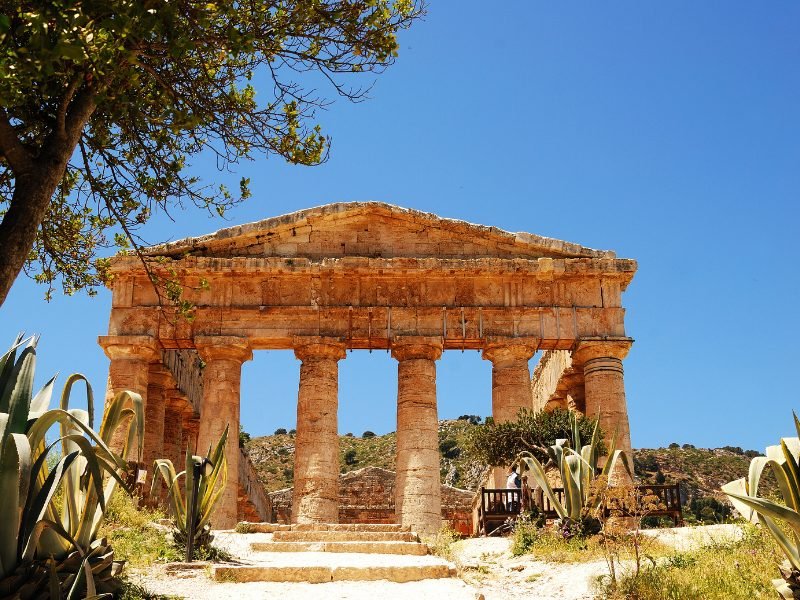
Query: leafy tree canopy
[
  {"x": 103, "y": 102},
  {"x": 501, "y": 443}
]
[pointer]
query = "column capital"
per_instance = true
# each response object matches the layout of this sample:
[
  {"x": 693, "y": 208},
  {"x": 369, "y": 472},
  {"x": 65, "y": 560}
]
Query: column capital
[
  {"x": 130, "y": 347},
  {"x": 315, "y": 346},
  {"x": 591, "y": 349},
  {"x": 499, "y": 349},
  {"x": 409, "y": 347},
  {"x": 225, "y": 347}
]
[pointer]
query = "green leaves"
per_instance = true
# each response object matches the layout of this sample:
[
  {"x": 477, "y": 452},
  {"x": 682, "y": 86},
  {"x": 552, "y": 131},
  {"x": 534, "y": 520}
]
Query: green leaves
[
  {"x": 34, "y": 526},
  {"x": 168, "y": 80},
  {"x": 210, "y": 490},
  {"x": 743, "y": 493},
  {"x": 578, "y": 468},
  {"x": 533, "y": 432}
]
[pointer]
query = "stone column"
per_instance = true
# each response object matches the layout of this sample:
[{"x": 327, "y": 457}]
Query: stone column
[
  {"x": 130, "y": 357},
  {"x": 191, "y": 424},
  {"x": 511, "y": 376},
  {"x": 223, "y": 357},
  {"x": 418, "y": 491},
  {"x": 604, "y": 390},
  {"x": 315, "y": 498},
  {"x": 511, "y": 383},
  {"x": 159, "y": 381},
  {"x": 173, "y": 429}
]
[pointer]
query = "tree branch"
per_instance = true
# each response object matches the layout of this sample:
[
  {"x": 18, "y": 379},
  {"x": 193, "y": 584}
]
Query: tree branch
[{"x": 18, "y": 158}]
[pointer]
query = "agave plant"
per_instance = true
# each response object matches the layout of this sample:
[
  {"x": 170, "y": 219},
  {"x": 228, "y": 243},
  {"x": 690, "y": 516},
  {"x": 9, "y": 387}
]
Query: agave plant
[
  {"x": 783, "y": 461},
  {"x": 210, "y": 488},
  {"x": 578, "y": 466},
  {"x": 34, "y": 530}
]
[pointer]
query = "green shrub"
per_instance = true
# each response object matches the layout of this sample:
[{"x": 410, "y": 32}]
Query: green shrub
[
  {"x": 131, "y": 530},
  {"x": 368, "y": 434},
  {"x": 449, "y": 449},
  {"x": 350, "y": 457},
  {"x": 209, "y": 485},
  {"x": 501, "y": 443},
  {"x": 674, "y": 446},
  {"x": 280, "y": 431}
]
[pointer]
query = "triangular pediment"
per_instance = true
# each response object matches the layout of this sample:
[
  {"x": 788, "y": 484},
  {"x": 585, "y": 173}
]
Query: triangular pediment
[{"x": 371, "y": 229}]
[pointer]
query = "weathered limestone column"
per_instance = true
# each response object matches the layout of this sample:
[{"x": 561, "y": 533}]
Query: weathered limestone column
[
  {"x": 130, "y": 357},
  {"x": 511, "y": 375},
  {"x": 222, "y": 375},
  {"x": 173, "y": 429},
  {"x": 604, "y": 389},
  {"x": 511, "y": 384},
  {"x": 191, "y": 425},
  {"x": 418, "y": 491},
  {"x": 315, "y": 498},
  {"x": 154, "y": 410}
]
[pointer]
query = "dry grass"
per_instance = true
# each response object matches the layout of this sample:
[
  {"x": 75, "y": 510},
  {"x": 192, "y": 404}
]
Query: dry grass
[{"x": 725, "y": 571}]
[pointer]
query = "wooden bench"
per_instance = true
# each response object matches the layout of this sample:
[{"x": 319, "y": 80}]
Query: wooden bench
[
  {"x": 499, "y": 505},
  {"x": 669, "y": 500}
]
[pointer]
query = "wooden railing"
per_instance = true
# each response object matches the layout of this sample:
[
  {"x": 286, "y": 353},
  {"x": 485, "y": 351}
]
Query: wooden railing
[{"x": 500, "y": 505}]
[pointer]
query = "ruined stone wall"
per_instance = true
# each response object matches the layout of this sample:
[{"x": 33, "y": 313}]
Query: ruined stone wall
[
  {"x": 367, "y": 496},
  {"x": 547, "y": 374}
]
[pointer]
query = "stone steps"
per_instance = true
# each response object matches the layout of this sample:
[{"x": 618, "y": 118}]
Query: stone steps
[
  {"x": 322, "y": 553},
  {"x": 408, "y": 548},
  {"x": 252, "y": 527},
  {"x": 311, "y": 573},
  {"x": 344, "y": 536}
]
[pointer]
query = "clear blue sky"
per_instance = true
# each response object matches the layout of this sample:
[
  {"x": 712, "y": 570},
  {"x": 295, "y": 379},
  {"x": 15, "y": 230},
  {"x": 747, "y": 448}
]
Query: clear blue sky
[{"x": 669, "y": 132}]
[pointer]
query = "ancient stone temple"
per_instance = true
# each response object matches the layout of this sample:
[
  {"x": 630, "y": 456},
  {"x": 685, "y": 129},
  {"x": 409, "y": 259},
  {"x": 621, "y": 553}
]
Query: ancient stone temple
[{"x": 357, "y": 276}]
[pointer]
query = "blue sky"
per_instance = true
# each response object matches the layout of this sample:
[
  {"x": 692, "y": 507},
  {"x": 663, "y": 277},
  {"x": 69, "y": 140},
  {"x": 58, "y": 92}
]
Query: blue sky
[{"x": 669, "y": 132}]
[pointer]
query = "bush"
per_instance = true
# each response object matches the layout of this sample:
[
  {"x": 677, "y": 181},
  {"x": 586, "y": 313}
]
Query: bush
[
  {"x": 500, "y": 444},
  {"x": 449, "y": 449},
  {"x": 688, "y": 447},
  {"x": 660, "y": 478},
  {"x": 643, "y": 463},
  {"x": 733, "y": 449},
  {"x": 244, "y": 437},
  {"x": 280, "y": 431},
  {"x": 368, "y": 434},
  {"x": 350, "y": 457},
  {"x": 674, "y": 446},
  {"x": 292, "y": 431},
  {"x": 706, "y": 511},
  {"x": 471, "y": 419}
]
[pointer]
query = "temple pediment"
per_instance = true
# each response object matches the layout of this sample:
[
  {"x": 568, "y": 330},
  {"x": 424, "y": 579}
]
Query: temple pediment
[{"x": 374, "y": 230}]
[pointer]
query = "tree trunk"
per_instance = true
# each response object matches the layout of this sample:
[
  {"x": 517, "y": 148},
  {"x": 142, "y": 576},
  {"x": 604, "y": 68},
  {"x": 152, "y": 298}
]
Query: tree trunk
[{"x": 33, "y": 193}]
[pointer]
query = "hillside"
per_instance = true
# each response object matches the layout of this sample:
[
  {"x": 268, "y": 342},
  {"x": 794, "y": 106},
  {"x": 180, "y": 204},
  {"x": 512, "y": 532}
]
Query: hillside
[
  {"x": 273, "y": 456},
  {"x": 700, "y": 471}
]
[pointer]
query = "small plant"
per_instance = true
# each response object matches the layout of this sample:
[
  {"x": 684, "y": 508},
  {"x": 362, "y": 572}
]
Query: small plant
[
  {"x": 280, "y": 431},
  {"x": 52, "y": 508},
  {"x": 368, "y": 434},
  {"x": 783, "y": 461},
  {"x": 527, "y": 531},
  {"x": 442, "y": 544},
  {"x": 620, "y": 515},
  {"x": 578, "y": 467},
  {"x": 210, "y": 488}
]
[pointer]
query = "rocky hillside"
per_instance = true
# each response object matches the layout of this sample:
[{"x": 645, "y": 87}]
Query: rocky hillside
[
  {"x": 700, "y": 471},
  {"x": 273, "y": 456}
]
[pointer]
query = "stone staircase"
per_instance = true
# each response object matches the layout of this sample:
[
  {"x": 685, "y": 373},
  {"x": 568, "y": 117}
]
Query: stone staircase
[{"x": 323, "y": 553}]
